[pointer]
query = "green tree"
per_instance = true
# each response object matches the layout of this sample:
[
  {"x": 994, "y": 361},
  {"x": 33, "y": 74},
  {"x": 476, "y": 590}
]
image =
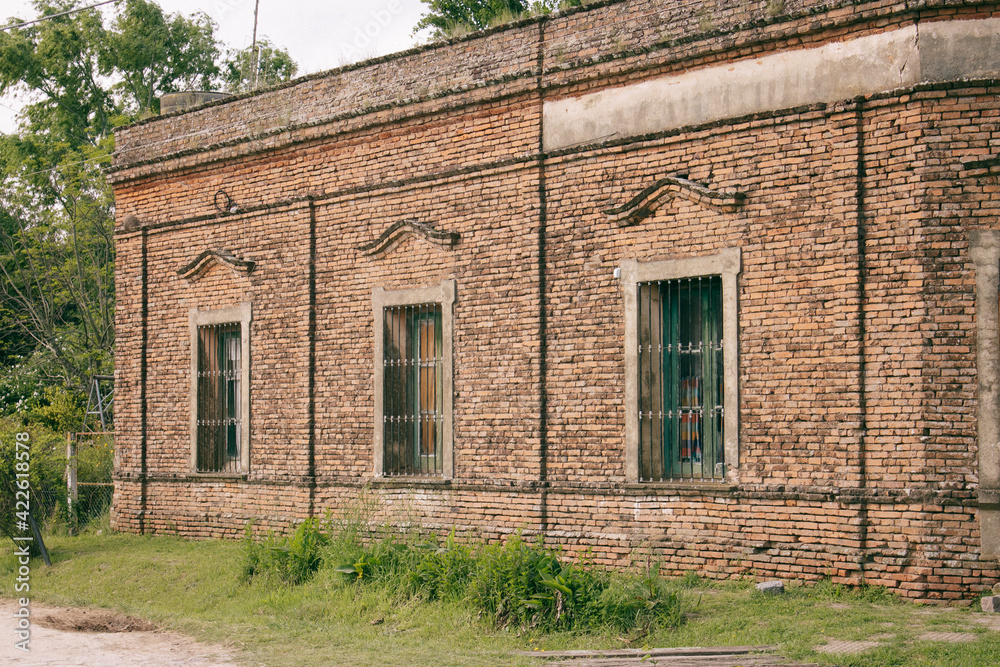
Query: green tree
[
  {"x": 447, "y": 16},
  {"x": 272, "y": 65},
  {"x": 82, "y": 78},
  {"x": 156, "y": 54}
]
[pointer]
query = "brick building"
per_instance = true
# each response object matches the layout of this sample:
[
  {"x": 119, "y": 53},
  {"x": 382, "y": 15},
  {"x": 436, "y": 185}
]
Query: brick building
[{"x": 718, "y": 279}]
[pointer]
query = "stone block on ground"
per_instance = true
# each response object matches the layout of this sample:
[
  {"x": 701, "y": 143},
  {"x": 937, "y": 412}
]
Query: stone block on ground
[{"x": 771, "y": 587}]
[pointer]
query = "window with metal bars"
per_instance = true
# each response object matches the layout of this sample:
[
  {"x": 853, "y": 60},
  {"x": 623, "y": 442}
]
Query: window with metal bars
[
  {"x": 219, "y": 398},
  {"x": 413, "y": 390},
  {"x": 681, "y": 382}
]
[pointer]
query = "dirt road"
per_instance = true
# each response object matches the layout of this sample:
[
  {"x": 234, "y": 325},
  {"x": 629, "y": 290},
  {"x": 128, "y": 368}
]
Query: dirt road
[{"x": 61, "y": 637}]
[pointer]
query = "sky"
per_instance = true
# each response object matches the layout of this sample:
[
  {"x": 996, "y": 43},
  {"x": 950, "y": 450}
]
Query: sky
[{"x": 319, "y": 34}]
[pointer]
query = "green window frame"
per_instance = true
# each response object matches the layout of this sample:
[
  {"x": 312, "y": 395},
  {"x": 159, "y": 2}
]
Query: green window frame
[
  {"x": 681, "y": 399},
  {"x": 413, "y": 390}
]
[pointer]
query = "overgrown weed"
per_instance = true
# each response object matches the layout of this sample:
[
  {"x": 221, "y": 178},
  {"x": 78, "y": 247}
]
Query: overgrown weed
[
  {"x": 291, "y": 559},
  {"x": 517, "y": 584}
]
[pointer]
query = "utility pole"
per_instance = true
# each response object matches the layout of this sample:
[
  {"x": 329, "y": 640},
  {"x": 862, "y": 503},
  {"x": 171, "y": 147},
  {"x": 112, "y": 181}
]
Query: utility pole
[{"x": 253, "y": 49}]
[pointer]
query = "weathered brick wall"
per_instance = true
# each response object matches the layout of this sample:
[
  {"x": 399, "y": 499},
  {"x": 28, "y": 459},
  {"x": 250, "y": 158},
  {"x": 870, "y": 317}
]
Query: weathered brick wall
[
  {"x": 858, "y": 454},
  {"x": 495, "y": 265}
]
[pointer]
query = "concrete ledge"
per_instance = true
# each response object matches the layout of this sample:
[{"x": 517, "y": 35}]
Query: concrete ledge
[{"x": 932, "y": 52}]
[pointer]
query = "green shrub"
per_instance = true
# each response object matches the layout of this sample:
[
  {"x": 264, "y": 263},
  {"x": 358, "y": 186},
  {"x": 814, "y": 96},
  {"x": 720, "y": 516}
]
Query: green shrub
[
  {"x": 59, "y": 410},
  {"x": 517, "y": 583},
  {"x": 507, "y": 582},
  {"x": 442, "y": 572},
  {"x": 291, "y": 559},
  {"x": 387, "y": 562},
  {"x": 513, "y": 584},
  {"x": 45, "y": 464},
  {"x": 531, "y": 586}
]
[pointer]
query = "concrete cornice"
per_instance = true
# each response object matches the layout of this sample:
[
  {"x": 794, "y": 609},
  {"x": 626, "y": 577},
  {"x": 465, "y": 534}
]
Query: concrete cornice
[{"x": 934, "y": 52}]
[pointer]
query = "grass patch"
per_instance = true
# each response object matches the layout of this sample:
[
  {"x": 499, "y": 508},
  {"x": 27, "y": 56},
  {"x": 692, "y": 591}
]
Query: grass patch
[
  {"x": 199, "y": 588},
  {"x": 518, "y": 584}
]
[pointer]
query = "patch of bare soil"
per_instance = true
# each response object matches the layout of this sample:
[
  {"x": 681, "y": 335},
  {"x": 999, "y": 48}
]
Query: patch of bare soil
[
  {"x": 70, "y": 637},
  {"x": 91, "y": 620}
]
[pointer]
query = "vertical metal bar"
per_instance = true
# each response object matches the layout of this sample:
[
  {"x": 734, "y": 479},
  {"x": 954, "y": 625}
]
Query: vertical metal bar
[
  {"x": 677, "y": 313},
  {"x": 200, "y": 399},
  {"x": 240, "y": 380},
  {"x": 220, "y": 452},
  {"x": 218, "y": 404},
  {"x": 206, "y": 384},
  {"x": 222, "y": 402},
  {"x": 650, "y": 372},
  {"x": 712, "y": 457},
  {"x": 211, "y": 396},
  {"x": 413, "y": 404},
  {"x": 387, "y": 388},
  {"x": 654, "y": 439},
  {"x": 656, "y": 367},
  {"x": 227, "y": 380},
  {"x": 397, "y": 389},
  {"x": 670, "y": 351},
  {"x": 643, "y": 438},
  {"x": 398, "y": 323},
  {"x": 684, "y": 362},
  {"x": 439, "y": 385},
  {"x": 392, "y": 326},
  {"x": 422, "y": 386},
  {"x": 698, "y": 409},
  {"x": 658, "y": 370},
  {"x": 404, "y": 427},
  {"x": 418, "y": 330},
  {"x": 208, "y": 461},
  {"x": 720, "y": 370}
]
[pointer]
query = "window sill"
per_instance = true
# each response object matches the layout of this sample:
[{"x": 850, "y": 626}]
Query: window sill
[
  {"x": 679, "y": 485},
  {"x": 218, "y": 475},
  {"x": 401, "y": 481}
]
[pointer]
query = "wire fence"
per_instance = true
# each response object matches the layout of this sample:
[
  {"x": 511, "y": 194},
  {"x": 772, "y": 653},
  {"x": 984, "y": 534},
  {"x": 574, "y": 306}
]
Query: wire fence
[
  {"x": 93, "y": 500},
  {"x": 54, "y": 507},
  {"x": 89, "y": 489},
  {"x": 60, "y": 484}
]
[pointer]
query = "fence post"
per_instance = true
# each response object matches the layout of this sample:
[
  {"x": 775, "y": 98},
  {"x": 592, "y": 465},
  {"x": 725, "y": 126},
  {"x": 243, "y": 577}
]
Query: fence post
[{"x": 72, "y": 487}]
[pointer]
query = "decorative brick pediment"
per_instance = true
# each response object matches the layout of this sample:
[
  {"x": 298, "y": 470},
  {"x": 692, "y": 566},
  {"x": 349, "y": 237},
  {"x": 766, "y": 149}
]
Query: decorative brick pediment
[
  {"x": 403, "y": 227},
  {"x": 204, "y": 261},
  {"x": 646, "y": 202}
]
